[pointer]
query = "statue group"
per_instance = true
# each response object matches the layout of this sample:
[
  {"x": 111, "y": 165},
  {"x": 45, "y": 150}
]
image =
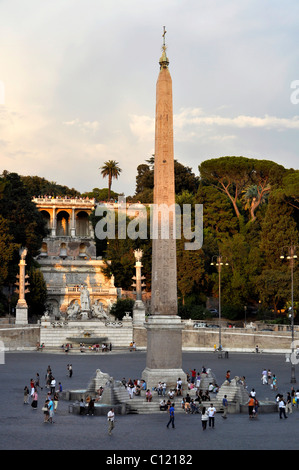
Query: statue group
[{"x": 85, "y": 310}]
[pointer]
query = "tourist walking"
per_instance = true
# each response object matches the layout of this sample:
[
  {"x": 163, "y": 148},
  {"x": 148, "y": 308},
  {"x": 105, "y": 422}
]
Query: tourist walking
[
  {"x": 171, "y": 416},
  {"x": 255, "y": 407},
  {"x": 37, "y": 381},
  {"x": 111, "y": 420},
  {"x": 204, "y": 418},
  {"x": 211, "y": 413},
  {"x": 31, "y": 387},
  {"x": 282, "y": 408},
  {"x": 45, "y": 409},
  {"x": 55, "y": 400},
  {"x": 193, "y": 375},
  {"x": 90, "y": 408},
  {"x": 179, "y": 387},
  {"x": 34, "y": 400},
  {"x": 264, "y": 377},
  {"x": 26, "y": 395},
  {"x": 53, "y": 385},
  {"x": 227, "y": 377},
  {"x": 51, "y": 410},
  {"x": 82, "y": 407},
  {"x": 225, "y": 406},
  {"x": 70, "y": 370},
  {"x": 250, "y": 407},
  {"x": 269, "y": 377},
  {"x": 289, "y": 405}
]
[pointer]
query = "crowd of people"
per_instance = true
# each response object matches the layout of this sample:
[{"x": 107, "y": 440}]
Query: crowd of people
[
  {"x": 190, "y": 404},
  {"x": 52, "y": 388},
  {"x": 200, "y": 402}
]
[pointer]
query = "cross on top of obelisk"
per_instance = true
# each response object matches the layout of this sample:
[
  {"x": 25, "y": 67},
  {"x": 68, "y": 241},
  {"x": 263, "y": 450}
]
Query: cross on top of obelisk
[
  {"x": 164, "y": 62},
  {"x": 163, "y": 35}
]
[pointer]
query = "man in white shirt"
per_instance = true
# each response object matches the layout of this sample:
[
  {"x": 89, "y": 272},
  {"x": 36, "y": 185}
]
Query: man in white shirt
[
  {"x": 110, "y": 417},
  {"x": 211, "y": 413},
  {"x": 53, "y": 385},
  {"x": 282, "y": 408}
]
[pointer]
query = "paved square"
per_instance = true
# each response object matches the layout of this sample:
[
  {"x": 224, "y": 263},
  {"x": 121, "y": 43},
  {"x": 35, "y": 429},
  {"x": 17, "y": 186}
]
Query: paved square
[{"x": 21, "y": 427}]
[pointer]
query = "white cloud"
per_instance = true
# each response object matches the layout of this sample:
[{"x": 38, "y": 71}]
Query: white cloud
[
  {"x": 84, "y": 92},
  {"x": 142, "y": 127},
  {"x": 188, "y": 117},
  {"x": 85, "y": 126}
]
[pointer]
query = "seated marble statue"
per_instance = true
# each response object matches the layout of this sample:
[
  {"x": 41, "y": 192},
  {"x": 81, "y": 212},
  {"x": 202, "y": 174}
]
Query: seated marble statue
[
  {"x": 73, "y": 310},
  {"x": 98, "y": 310}
]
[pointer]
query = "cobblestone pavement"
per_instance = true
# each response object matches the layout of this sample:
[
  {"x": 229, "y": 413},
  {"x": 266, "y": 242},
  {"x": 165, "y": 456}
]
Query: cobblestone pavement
[{"x": 22, "y": 428}]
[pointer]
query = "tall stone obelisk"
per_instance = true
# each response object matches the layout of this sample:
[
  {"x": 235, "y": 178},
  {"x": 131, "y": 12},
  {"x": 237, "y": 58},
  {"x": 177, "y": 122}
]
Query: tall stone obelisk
[{"x": 164, "y": 327}]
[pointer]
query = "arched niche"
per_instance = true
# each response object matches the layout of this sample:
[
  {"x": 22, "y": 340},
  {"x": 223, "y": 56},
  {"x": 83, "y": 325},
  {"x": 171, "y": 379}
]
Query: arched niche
[
  {"x": 63, "y": 224},
  {"x": 82, "y": 224},
  {"x": 47, "y": 218}
]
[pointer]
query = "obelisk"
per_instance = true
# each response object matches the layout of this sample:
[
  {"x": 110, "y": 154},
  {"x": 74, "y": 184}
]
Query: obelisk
[
  {"x": 22, "y": 289},
  {"x": 164, "y": 327}
]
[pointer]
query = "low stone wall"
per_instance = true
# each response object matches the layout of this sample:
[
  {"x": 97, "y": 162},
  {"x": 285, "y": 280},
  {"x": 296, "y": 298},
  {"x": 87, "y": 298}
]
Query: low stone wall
[
  {"x": 19, "y": 337},
  {"x": 237, "y": 339},
  {"x": 52, "y": 335}
]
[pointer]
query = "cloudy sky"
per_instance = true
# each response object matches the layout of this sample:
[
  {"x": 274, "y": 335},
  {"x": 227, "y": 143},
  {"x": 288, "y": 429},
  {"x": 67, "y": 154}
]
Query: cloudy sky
[{"x": 78, "y": 78}]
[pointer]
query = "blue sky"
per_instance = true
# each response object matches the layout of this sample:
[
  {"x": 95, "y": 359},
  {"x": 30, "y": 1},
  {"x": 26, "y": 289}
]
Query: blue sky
[{"x": 78, "y": 84}]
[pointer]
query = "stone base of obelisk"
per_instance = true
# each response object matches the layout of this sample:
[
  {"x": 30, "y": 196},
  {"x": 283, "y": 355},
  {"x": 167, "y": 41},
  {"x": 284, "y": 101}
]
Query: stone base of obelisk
[
  {"x": 21, "y": 315},
  {"x": 138, "y": 313},
  {"x": 164, "y": 351}
]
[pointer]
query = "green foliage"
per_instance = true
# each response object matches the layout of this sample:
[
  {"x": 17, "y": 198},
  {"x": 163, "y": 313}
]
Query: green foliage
[
  {"x": 195, "y": 312},
  {"x": 185, "y": 180},
  {"x": 21, "y": 225},
  {"x": 37, "y": 297},
  {"x": 121, "y": 306},
  {"x": 232, "y": 312},
  {"x": 100, "y": 194},
  {"x": 111, "y": 170},
  {"x": 24, "y": 223},
  {"x": 37, "y": 186}
]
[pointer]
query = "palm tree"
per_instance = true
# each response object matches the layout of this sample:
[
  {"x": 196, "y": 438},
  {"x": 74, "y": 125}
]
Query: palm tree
[{"x": 112, "y": 170}]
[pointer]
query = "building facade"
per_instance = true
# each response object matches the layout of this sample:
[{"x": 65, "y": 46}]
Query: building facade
[{"x": 68, "y": 258}]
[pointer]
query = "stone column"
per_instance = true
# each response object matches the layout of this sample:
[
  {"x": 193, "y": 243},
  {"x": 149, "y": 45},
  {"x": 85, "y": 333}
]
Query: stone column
[
  {"x": 164, "y": 327},
  {"x": 22, "y": 308},
  {"x": 73, "y": 224},
  {"x": 139, "y": 308},
  {"x": 54, "y": 222}
]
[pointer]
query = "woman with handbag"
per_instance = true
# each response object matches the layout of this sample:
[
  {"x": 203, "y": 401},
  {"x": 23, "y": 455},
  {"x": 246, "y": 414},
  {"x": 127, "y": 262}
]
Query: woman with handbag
[
  {"x": 45, "y": 409},
  {"x": 34, "y": 399}
]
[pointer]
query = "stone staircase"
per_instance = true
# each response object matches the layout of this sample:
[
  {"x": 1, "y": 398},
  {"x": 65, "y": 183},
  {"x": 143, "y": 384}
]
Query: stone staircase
[{"x": 115, "y": 393}]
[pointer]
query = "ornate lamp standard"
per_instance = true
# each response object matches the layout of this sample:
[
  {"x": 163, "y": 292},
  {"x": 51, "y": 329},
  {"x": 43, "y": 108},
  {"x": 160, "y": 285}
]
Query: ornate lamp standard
[
  {"x": 218, "y": 261},
  {"x": 291, "y": 256}
]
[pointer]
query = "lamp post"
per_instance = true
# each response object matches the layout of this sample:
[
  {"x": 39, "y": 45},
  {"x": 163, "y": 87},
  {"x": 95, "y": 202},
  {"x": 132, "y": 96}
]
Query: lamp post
[
  {"x": 291, "y": 256},
  {"x": 218, "y": 261}
]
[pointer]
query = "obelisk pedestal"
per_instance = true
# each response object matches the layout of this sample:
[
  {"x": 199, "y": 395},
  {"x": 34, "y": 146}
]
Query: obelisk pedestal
[
  {"x": 164, "y": 351},
  {"x": 164, "y": 326}
]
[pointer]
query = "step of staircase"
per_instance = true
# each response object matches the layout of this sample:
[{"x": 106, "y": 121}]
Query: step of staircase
[{"x": 138, "y": 405}]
